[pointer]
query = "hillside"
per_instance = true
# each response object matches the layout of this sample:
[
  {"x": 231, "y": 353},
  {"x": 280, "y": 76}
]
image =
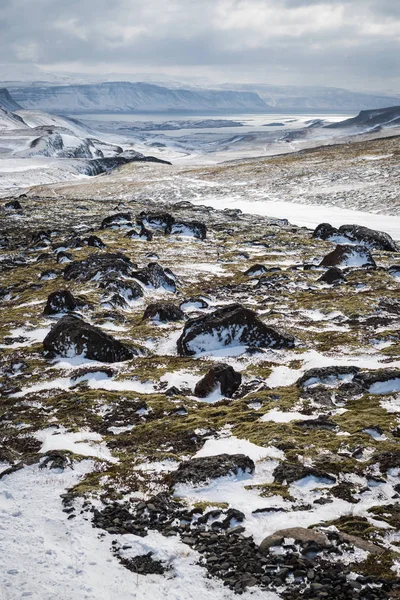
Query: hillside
[{"x": 130, "y": 97}]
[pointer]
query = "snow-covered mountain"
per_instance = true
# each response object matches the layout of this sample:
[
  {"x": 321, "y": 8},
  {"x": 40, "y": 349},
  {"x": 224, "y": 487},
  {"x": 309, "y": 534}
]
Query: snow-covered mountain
[
  {"x": 294, "y": 98},
  {"x": 130, "y": 97}
]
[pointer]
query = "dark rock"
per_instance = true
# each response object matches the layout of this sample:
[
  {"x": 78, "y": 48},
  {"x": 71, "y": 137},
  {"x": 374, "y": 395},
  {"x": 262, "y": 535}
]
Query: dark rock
[
  {"x": 163, "y": 311},
  {"x": 221, "y": 375},
  {"x": 256, "y": 270},
  {"x": 59, "y": 302},
  {"x": 366, "y": 379},
  {"x": 129, "y": 290},
  {"x": 324, "y": 231},
  {"x": 143, "y": 234},
  {"x": 348, "y": 256},
  {"x": 327, "y": 375},
  {"x": 332, "y": 276},
  {"x": 199, "y": 470},
  {"x": 99, "y": 265},
  {"x": 94, "y": 242},
  {"x": 143, "y": 564},
  {"x": 155, "y": 276},
  {"x": 64, "y": 257},
  {"x": 188, "y": 228},
  {"x": 71, "y": 334},
  {"x": 163, "y": 221},
  {"x": 13, "y": 205},
  {"x": 388, "y": 460},
  {"x": 117, "y": 220},
  {"x": 291, "y": 472},
  {"x": 231, "y": 325},
  {"x": 321, "y": 422},
  {"x": 371, "y": 238}
]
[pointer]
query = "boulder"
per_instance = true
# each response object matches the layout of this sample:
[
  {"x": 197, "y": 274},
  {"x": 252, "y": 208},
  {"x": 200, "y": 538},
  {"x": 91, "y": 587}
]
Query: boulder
[
  {"x": 64, "y": 257},
  {"x": 163, "y": 221},
  {"x": 117, "y": 220},
  {"x": 298, "y": 534},
  {"x": 379, "y": 381},
  {"x": 143, "y": 234},
  {"x": 130, "y": 290},
  {"x": 221, "y": 375},
  {"x": 13, "y": 205},
  {"x": 199, "y": 470},
  {"x": 188, "y": 228},
  {"x": 98, "y": 265},
  {"x": 71, "y": 336},
  {"x": 332, "y": 276},
  {"x": 163, "y": 311},
  {"x": 255, "y": 271},
  {"x": 59, "y": 302},
  {"x": 291, "y": 472},
  {"x": 348, "y": 256},
  {"x": 327, "y": 375},
  {"x": 324, "y": 231},
  {"x": 154, "y": 275},
  {"x": 371, "y": 238},
  {"x": 232, "y": 325},
  {"x": 94, "y": 242}
]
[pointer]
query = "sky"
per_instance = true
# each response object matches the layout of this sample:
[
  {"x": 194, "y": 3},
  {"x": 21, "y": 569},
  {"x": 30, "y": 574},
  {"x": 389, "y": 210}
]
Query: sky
[{"x": 343, "y": 43}]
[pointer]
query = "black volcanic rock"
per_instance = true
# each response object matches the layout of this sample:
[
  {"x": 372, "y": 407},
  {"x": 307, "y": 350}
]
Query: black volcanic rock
[
  {"x": 163, "y": 311},
  {"x": 232, "y": 325},
  {"x": 117, "y": 220},
  {"x": 199, "y": 470},
  {"x": 99, "y": 265},
  {"x": 371, "y": 238},
  {"x": 348, "y": 256},
  {"x": 154, "y": 275},
  {"x": 73, "y": 335},
  {"x": 221, "y": 375},
  {"x": 332, "y": 276},
  {"x": 188, "y": 228},
  {"x": 59, "y": 302}
]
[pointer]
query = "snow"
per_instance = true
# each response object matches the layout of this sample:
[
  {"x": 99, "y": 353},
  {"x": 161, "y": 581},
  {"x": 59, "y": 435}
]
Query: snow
[
  {"x": 278, "y": 416},
  {"x": 86, "y": 443},
  {"x": 385, "y": 387},
  {"x": 234, "y": 445},
  {"x": 57, "y": 557}
]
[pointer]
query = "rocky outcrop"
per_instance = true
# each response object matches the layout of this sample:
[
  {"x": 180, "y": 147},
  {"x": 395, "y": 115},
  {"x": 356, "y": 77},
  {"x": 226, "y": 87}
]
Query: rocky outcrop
[
  {"x": 291, "y": 472},
  {"x": 371, "y": 238},
  {"x": 348, "y": 256},
  {"x": 117, "y": 220},
  {"x": 164, "y": 312},
  {"x": 154, "y": 275},
  {"x": 143, "y": 234},
  {"x": 189, "y": 229},
  {"x": 327, "y": 375},
  {"x": 163, "y": 221},
  {"x": 332, "y": 276},
  {"x": 223, "y": 376},
  {"x": 130, "y": 290},
  {"x": 99, "y": 265},
  {"x": 230, "y": 326},
  {"x": 72, "y": 336},
  {"x": 200, "y": 470},
  {"x": 60, "y": 302}
]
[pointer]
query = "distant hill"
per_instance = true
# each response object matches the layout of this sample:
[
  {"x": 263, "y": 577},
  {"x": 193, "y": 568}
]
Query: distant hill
[
  {"x": 382, "y": 117},
  {"x": 131, "y": 97},
  {"x": 6, "y": 102},
  {"x": 306, "y": 98}
]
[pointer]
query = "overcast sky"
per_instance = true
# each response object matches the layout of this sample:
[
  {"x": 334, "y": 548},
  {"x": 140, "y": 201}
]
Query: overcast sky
[{"x": 344, "y": 43}]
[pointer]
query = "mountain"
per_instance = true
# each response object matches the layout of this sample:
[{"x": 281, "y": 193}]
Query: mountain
[
  {"x": 6, "y": 102},
  {"x": 130, "y": 97},
  {"x": 288, "y": 98},
  {"x": 384, "y": 117}
]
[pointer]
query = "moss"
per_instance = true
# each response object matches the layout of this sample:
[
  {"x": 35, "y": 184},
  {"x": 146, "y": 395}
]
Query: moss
[
  {"x": 378, "y": 566},
  {"x": 267, "y": 490}
]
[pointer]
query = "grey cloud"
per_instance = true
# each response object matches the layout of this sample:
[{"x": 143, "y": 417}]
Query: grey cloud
[{"x": 182, "y": 36}]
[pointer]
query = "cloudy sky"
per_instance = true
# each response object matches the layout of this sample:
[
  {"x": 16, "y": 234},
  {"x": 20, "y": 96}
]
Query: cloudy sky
[{"x": 344, "y": 43}]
